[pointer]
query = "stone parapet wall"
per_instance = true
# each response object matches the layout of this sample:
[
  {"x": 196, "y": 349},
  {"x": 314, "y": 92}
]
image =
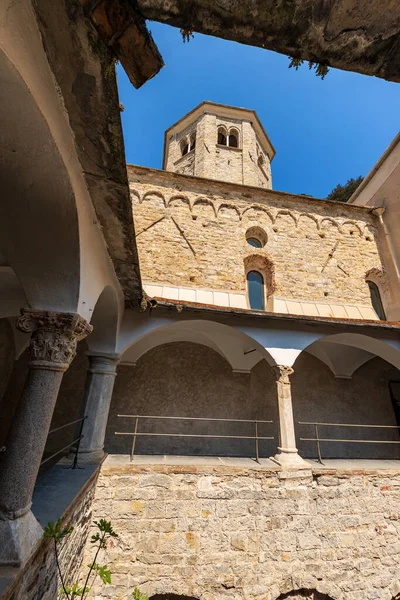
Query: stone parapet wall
[
  {"x": 315, "y": 251},
  {"x": 221, "y": 532},
  {"x": 38, "y": 578}
]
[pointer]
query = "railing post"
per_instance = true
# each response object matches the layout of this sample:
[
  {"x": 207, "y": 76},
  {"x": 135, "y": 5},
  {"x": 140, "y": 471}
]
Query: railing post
[
  {"x": 318, "y": 444},
  {"x": 257, "y": 455},
  {"x": 75, "y": 461},
  {"x": 134, "y": 438}
]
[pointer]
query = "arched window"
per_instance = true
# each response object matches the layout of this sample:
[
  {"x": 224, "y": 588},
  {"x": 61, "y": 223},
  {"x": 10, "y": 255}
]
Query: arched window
[
  {"x": 233, "y": 139},
  {"x": 376, "y": 300},
  {"x": 255, "y": 287},
  {"x": 222, "y": 136},
  {"x": 184, "y": 147},
  {"x": 193, "y": 141}
]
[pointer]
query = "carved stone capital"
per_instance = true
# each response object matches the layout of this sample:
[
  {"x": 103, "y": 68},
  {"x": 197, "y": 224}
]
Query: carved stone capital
[
  {"x": 282, "y": 373},
  {"x": 54, "y": 337}
]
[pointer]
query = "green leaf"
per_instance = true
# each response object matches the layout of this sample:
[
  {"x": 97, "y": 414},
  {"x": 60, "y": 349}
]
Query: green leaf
[
  {"x": 137, "y": 595},
  {"x": 103, "y": 572},
  {"x": 106, "y": 527},
  {"x": 75, "y": 590},
  {"x": 56, "y": 531}
]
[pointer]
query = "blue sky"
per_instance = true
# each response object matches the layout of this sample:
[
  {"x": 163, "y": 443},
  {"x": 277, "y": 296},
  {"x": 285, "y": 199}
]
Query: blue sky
[{"x": 324, "y": 132}]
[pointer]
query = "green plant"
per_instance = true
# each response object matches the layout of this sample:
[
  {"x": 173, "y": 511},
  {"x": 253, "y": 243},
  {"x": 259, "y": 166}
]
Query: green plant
[
  {"x": 187, "y": 35},
  {"x": 321, "y": 69},
  {"x": 57, "y": 532},
  {"x": 137, "y": 595}
]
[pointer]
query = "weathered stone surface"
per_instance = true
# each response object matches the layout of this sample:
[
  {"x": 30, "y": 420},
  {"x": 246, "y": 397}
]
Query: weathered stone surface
[
  {"x": 38, "y": 579},
  {"x": 315, "y": 251},
  {"x": 355, "y": 35},
  {"x": 335, "y": 533}
]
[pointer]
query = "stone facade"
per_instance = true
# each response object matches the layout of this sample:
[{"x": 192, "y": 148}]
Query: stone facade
[
  {"x": 250, "y": 533},
  {"x": 38, "y": 579},
  {"x": 192, "y": 233}
]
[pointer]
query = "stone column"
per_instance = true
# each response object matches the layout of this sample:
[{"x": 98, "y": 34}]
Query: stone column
[
  {"x": 52, "y": 348},
  {"x": 98, "y": 392},
  {"x": 287, "y": 455}
]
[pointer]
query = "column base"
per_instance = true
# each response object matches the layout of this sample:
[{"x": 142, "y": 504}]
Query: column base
[
  {"x": 91, "y": 457},
  {"x": 18, "y": 539},
  {"x": 289, "y": 458}
]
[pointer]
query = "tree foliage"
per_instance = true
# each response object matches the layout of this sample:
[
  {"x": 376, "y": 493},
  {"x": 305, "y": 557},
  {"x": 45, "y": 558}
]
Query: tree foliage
[{"x": 341, "y": 193}]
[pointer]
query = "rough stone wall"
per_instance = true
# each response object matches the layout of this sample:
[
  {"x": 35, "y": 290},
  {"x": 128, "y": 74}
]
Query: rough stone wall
[
  {"x": 232, "y": 533},
  {"x": 200, "y": 231},
  {"x": 189, "y": 380},
  {"x": 38, "y": 579}
]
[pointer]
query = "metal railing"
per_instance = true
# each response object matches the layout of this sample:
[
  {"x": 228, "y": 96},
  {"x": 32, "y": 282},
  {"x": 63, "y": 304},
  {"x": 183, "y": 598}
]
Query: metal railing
[
  {"x": 136, "y": 433},
  {"x": 319, "y": 439},
  {"x": 76, "y": 441}
]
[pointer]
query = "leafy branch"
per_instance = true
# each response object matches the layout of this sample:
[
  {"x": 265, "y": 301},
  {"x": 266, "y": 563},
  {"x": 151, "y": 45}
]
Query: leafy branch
[
  {"x": 321, "y": 69},
  {"x": 56, "y": 532}
]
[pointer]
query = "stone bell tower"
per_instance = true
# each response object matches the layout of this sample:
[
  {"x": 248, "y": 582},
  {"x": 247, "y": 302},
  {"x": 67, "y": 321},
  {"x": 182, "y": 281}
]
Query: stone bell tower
[{"x": 220, "y": 142}]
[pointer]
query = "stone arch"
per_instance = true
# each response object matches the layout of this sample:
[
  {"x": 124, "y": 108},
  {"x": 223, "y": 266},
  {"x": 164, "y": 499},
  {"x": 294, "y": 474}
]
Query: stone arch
[
  {"x": 106, "y": 319},
  {"x": 226, "y": 209},
  {"x": 259, "y": 262},
  {"x": 379, "y": 278},
  {"x": 151, "y": 194},
  {"x": 258, "y": 233},
  {"x": 39, "y": 223},
  {"x": 304, "y": 594},
  {"x": 172, "y": 597},
  {"x": 222, "y": 135}
]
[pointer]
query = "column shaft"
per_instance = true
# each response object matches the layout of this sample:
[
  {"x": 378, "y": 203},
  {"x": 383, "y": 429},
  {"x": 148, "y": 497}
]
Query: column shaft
[
  {"x": 287, "y": 455},
  {"x": 52, "y": 348},
  {"x": 98, "y": 393}
]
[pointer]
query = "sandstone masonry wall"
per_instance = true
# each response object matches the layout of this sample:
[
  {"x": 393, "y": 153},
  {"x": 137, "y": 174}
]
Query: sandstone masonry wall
[
  {"x": 38, "y": 579},
  {"x": 192, "y": 232},
  {"x": 232, "y": 533}
]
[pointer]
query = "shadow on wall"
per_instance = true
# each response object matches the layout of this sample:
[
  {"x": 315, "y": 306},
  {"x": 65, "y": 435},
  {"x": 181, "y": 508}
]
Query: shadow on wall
[
  {"x": 171, "y": 597},
  {"x": 304, "y": 594},
  {"x": 184, "y": 379},
  {"x": 364, "y": 399}
]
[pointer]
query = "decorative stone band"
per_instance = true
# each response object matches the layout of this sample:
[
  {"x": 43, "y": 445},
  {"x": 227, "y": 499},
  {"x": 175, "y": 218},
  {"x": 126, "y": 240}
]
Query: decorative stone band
[{"x": 54, "y": 337}]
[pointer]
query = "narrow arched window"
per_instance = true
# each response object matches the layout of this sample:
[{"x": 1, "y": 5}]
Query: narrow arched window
[
  {"x": 255, "y": 287},
  {"x": 233, "y": 139},
  {"x": 184, "y": 147},
  {"x": 376, "y": 300},
  {"x": 222, "y": 136},
  {"x": 193, "y": 141}
]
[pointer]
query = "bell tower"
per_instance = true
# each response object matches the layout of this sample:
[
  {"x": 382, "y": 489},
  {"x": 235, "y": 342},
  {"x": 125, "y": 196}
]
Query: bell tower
[{"x": 220, "y": 142}]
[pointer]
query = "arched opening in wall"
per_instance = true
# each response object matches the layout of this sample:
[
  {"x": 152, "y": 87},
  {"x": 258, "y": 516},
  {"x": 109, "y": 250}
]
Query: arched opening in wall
[
  {"x": 184, "y": 147},
  {"x": 260, "y": 280},
  {"x": 256, "y": 237},
  {"x": 304, "y": 594},
  {"x": 256, "y": 290},
  {"x": 222, "y": 136},
  {"x": 209, "y": 380},
  {"x": 193, "y": 141},
  {"x": 342, "y": 383},
  {"x": 233, "y": 140},
  {"x": 172, "y": 597},
  {"x": 376, "y": 300}
]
